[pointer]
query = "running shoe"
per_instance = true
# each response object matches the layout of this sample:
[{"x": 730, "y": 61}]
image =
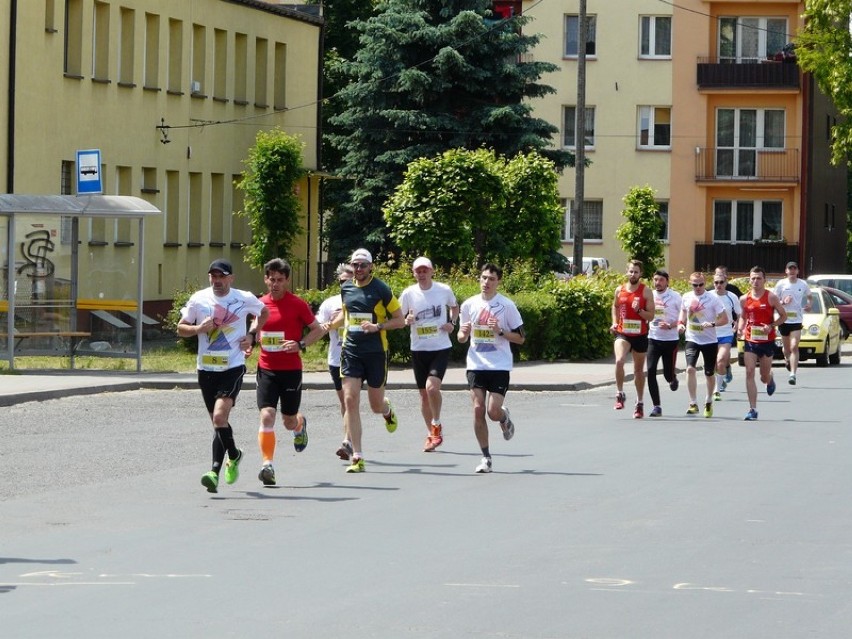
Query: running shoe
[
  {"x": 434, "y": 439},
  {"x": 357, "y": 465},
  {"x": 300, "y": 439},
  {"x": 267, "y": 475},
  {"x": 639, "y": 411},
  {"x": 232, "y": 468},
  {"x": 620, "y": 398},
  {"x": 508, "y": 426},
  {"x": 708, "y": 409},
  {"x": 391, "y": 421},
  {"x": 729, "y": 376},
  {"x": 692, "y": 410},
  {"x": 751, "y": 415},
  {"x": 345, "y": 451},
  {"x": 656, "y": 412},
  {"x": 674, "y": 384},
  {"x": 770, "y": 387},
  {"x": 717, "y": 396},
  {"x": 210, "y": 481},
  {"x": 484, "y": 465},
  {"x": 723, "y": 386},
  {"x": 792, "y": 380}
]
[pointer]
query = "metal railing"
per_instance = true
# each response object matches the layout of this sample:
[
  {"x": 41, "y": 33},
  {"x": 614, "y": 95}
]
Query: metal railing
[
  {"x": 753, "y": 74},
  {"x": 744, "y": 165}
]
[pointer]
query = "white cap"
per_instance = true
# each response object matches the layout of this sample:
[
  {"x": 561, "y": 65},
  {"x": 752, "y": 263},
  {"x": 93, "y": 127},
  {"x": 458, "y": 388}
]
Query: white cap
[
  {"x": 422, "y": 261},
  {"x": 361, "y": 255}
]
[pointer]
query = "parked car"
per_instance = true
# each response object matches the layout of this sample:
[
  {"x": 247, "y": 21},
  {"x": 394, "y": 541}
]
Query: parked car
[
  {"x": 843, "y": 302},
  {"x": 841, "y": 281},
  {"x": 591, "y": 265},
  {"x": 821, "y": 333}
]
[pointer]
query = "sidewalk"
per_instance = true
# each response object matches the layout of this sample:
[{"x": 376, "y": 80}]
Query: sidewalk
[{"x": 29, "y": 386}]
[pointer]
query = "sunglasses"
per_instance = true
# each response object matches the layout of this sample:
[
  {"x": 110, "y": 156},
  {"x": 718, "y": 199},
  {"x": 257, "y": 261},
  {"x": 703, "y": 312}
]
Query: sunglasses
[
  {"x": 718, "y": 281},
  {"x": 359, "y": 265},
  {"x": 694, "y": 285}
]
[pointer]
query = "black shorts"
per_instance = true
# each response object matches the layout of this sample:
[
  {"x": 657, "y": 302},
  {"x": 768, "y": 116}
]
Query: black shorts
[
  {"x": 216, "y": 384},
  {"x": 786, "y": 329},
  {"x": 372, "y": 367},
  {"x": 708, "y": 352},
  {"x": 490, "y": 381},
  {"x": 638, "y": 343},
  {"x": 429, "y": 364},
  {"x": 334, "y": 371},
  {"x": 761, "y": 349},
  {"x": 283, "y": 386}
]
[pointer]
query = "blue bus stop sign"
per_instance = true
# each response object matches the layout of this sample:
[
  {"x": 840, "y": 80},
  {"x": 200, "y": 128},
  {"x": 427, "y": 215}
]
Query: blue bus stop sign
[{"x": 89, "y": 180}]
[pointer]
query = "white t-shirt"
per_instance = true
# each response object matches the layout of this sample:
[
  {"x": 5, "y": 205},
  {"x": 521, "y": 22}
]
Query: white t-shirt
[
  {"x": 793, "y": 296},
  {"x": 488, "y": 351},
  {"x": 219, "y": 350},
  {"x": 732, "y": 305},
  {"x": 431, "y": 311},
  {"x": 667, "y": 309},
  {"x": 701, "y": 308},
  {"x": 327, "y": 310}
]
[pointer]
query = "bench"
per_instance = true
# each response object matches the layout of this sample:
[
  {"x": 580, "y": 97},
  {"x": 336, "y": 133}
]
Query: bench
[{"x": 75, "y": 339}]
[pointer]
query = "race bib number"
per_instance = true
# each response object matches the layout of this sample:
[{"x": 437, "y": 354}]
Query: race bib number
[
  {"x": 214, "y": 363},
  {"x": 483, "y": 335},
  {"x": 758, "y": 334},
  {"x": 631, "y": 326},
  {"x": 659, "y": 312},
  {"x": 272, "y": 342},
  {"x": 695, "y": 327},
  {"x": 792, "y": 314},
  {"x": 426, "y": 331},
  {"x": 355, "y": 320}
]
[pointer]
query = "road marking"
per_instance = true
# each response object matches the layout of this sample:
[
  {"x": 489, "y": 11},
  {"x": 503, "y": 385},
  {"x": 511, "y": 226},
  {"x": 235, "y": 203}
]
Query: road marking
[{"x": 454, "y": 585}]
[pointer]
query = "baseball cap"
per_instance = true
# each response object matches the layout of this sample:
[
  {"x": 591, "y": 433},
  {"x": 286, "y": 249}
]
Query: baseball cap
[
  {"x": 361, "y": 255},
  {"x": 224, "y": 266},
  {"x": 422, "y": 261},
  {"x": 793, "y": 264}
]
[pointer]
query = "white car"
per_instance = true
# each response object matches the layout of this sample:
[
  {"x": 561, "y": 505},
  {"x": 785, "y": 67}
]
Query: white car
[
  {"x": 841, "y": 281},
  {"x": 591, "y": 265}
]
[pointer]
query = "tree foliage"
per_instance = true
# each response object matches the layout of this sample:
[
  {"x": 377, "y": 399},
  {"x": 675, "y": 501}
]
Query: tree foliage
[
  {"x": 640, "y": 234},
  {"x": 823, "y": 48},
  {"x": 463, "y": 208},
  {"x": 431, "y": 75},
  {"x": 274, "y": 166}
]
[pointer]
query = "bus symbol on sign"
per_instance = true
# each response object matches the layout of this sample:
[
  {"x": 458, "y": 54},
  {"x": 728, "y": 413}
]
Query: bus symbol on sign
[{"x": 89, "y": 172}]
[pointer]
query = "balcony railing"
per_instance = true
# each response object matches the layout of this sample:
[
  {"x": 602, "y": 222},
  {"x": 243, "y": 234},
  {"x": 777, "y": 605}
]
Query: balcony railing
[
  {"x": 746, "y": 165},
  {"x": 741, "y": 257},
  {"x": 757, "y": 74}
]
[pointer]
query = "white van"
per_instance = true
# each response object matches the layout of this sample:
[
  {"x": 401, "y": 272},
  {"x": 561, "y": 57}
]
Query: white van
[
  {"x": 591, "y": 265},
  {"x": 841, "y": 281}
]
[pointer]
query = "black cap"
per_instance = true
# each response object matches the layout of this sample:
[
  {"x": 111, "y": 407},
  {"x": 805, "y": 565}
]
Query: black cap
[
  {"x": 793, "y": 264},
  {"x": 223, "y": 266}
]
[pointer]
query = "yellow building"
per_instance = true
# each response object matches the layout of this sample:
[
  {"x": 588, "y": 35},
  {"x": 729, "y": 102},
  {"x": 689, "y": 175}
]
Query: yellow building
[
  {"x": 702, "y": 101},
  {"x": 172, "y": 93}
]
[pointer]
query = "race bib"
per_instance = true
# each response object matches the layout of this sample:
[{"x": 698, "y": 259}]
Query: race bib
[
  {"x": 483, "y": 335},
  {"x": 659, "y": 312},
  {"x": 355, "y": 320},
  {"x": 631, "y": 326},
  {"x": 792, "y": 314},
  {"x": 426, "y": 331},
  {"x": 758, "y": 334},
  {"x": 272, "y": 341},
  {"x": 695, "y": 328},
  {"x": 214, "y": 363}
]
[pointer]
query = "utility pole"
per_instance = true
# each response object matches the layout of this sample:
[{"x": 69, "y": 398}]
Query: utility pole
[{"x": 577, "y": 212}]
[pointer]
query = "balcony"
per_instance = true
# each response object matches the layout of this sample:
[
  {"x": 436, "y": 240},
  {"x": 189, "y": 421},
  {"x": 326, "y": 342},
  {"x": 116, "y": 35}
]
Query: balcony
[
  {"x": 747, "y": 165},
  {"x": 741, "y": 257},
  {"x": 757, "y": 74}
]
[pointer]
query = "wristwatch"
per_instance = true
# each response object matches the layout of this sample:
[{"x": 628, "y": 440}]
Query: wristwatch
[
  {"x": 500, "y": 333},
  {"x": 302, "y": 345}
]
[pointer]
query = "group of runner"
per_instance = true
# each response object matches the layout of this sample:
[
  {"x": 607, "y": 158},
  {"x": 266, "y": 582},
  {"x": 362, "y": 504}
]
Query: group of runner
[
  {"x": 282, "y": 325},
  {"x": 648, "y": 324}
]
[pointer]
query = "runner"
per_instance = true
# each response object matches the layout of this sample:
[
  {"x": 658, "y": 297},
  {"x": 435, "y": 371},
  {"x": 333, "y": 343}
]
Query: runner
[
  {"x": 663, "y": 338},
  {"x": 795, "y": 295},
  {"x": 725, "y": 332},
  {"x": 492, "y": 323},
  {"x": 431, "y": 310},
  {"x": 217, "y": 316}
]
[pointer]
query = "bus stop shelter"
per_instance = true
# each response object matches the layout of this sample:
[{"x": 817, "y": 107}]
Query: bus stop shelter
[{"x": 40, "y": 281}]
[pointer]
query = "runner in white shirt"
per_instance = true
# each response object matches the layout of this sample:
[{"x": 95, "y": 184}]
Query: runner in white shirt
[
  {"x": 700, "y": 313},
  {"x": 327, "y": 312},
  {"x": 492, "y": 323},
  {"x": 431, "y": 311},
  {"x": 663, "y": 338},
  {"x": 795, "y": 296},
  {"x": 217, "y": 316},
  {"x": 725, "y": 336}
]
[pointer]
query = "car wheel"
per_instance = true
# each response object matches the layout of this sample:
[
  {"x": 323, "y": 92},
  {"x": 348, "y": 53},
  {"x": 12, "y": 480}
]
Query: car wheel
[
  {"x": 822, "y": 358},
  {"x": 844, "y": 332},
  {"x": 834, "y": 358}
]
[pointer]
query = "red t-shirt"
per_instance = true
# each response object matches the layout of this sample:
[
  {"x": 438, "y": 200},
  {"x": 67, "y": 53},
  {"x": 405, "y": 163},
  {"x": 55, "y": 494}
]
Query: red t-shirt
[
  {"x": 629, "y": 322},
  {"x": 757, "y": 312},
  {"x": 288, "y": 318}
]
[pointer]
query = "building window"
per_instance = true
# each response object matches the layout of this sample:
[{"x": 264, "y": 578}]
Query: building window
[
  {"x": 66, "y": 187},
  {"x": 741, "y": 134},
  {"x": 74, "y": 38},
  {"x": 126, "y": 47},
  {"x": 655, "y": 127},
  {"x": 195, "y": 203},
  {"x": 260, "y": 56},
  {"x": 279, "y": 78},
  {"x": 592, "y": 221},
  {"x": 655, "y": 37},
  {"x": 745, "y": 39},
  {"x": 152, "y": 51},
  {"x": 569, "y": 126},
  {"x": 100, "y": 50},
  {"x": 50, "y": 16},
  {"x": 663, "y": 210},
  {"x": 217, "y": 209},
  {"x": 746, "y": 220},
  {"x": 220, "y": 65},
  {"x": 240, "y": 66},
  {"x": 572, "y": 35},
  {"x": 175, "y": 57},
  {"x": 172, "y": 212},
  {"x": 199, "y": 59}
]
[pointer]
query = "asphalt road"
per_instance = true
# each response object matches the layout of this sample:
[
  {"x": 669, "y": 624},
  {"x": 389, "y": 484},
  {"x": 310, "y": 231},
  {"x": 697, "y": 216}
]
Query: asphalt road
[{"x": 592, "y": 525}]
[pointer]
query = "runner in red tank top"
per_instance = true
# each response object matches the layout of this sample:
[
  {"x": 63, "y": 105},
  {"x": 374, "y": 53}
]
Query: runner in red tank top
[
  {"x": 632, "y": 309},
  {"x": 757, "y": 327}
]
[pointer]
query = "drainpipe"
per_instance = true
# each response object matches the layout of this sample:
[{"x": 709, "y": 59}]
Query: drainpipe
[{"x": 10, "y": 123}]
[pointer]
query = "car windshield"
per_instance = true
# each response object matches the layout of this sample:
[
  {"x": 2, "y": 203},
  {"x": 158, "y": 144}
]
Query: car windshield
[{"x": 816, "y": 305}]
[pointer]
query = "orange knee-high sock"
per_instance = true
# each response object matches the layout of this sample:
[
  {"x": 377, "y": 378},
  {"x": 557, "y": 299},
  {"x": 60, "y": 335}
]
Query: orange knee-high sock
[{"x": 266, "y": 440}]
